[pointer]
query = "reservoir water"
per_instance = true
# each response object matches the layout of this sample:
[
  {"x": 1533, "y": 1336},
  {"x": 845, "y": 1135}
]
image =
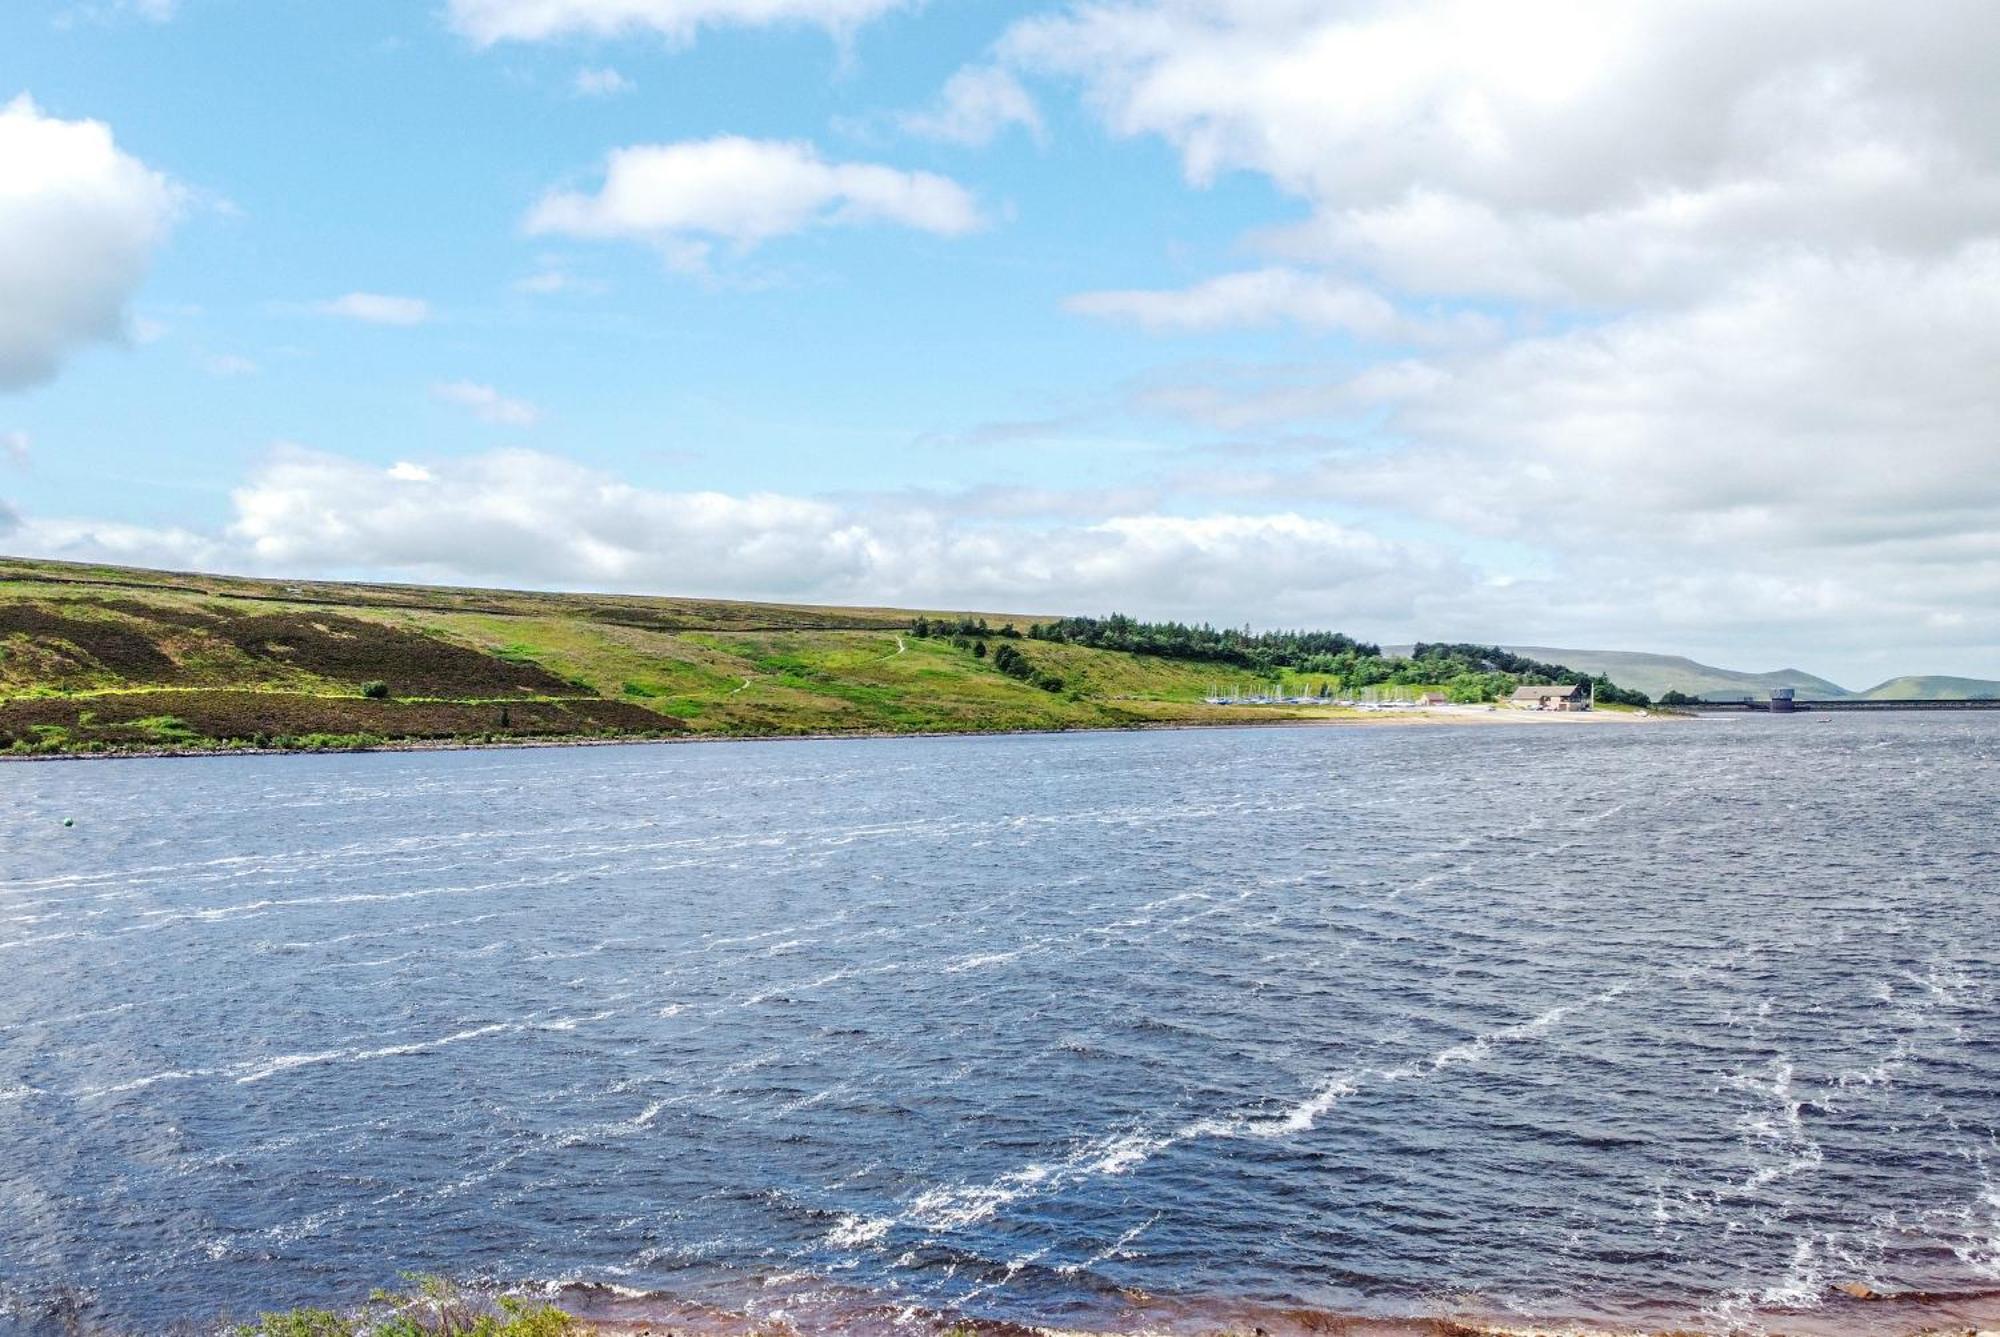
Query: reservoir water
[{"x": 1694, "y": 1019}]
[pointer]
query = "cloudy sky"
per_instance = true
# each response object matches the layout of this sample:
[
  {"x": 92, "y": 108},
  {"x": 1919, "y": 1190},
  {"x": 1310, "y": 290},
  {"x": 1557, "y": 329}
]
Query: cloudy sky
[{"x": 1663, "y": 325}]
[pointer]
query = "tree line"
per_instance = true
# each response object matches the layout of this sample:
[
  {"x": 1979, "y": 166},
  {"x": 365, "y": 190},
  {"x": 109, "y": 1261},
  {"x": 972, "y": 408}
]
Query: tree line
[
  {"x": 1179, "y": 640},
  {"x": 1466, "y": 672}
]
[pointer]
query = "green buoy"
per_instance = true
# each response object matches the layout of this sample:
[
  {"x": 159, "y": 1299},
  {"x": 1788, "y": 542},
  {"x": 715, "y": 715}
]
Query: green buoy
[{"x": 69, "y": 821}]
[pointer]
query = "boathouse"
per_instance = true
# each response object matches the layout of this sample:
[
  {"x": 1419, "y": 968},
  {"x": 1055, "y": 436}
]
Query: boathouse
[{"x": 1551, "y": 696}]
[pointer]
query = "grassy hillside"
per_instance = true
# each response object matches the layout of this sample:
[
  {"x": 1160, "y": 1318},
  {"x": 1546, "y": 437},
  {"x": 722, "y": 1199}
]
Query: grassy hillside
[
  {"x": 1934, "y": 687},
  {"x": 1656, "y": 675},
  {"x": 107, "y": 658}
]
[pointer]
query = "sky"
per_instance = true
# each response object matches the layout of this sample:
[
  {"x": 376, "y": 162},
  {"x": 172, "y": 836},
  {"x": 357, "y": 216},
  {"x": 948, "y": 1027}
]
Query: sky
[{"x": 1667, "y": 325}]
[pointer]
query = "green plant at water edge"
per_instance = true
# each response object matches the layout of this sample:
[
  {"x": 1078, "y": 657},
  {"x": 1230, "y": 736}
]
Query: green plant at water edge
[
  {"x": 300, "y": 1323},
  {"x": 432, "y": 1307}
]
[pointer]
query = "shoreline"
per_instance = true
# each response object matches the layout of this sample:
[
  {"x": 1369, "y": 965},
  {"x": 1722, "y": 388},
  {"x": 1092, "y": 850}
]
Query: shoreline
[
  {"x": 1433, "y": 716},
  {"x": 610, "y": 1311}
]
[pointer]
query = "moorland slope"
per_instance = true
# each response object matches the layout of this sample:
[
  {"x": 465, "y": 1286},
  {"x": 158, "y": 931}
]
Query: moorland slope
[{"x": 99, "y": 658}]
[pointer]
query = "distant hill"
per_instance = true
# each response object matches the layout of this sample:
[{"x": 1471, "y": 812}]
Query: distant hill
[
  {"x": 1656, "y": 675},
  {"x": 1934, "y": 687},
  {"x": 119, "y": 659}
]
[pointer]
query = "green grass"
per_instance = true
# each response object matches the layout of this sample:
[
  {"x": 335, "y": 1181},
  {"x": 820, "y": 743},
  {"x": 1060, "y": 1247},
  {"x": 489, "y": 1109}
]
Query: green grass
[
  {"x": 430, "y": 1307},
  {"x": 99, "y": 658}
]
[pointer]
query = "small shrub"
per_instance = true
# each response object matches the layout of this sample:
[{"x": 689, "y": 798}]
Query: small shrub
[
  {"x": 437, "y": 1307},
  {"x": 300, "y": 1323},
  {"x": 375, "y": 691}
]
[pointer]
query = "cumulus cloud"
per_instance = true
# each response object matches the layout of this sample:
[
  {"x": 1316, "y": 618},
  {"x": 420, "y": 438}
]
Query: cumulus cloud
[
  {"x": 487, "y": 404},
  {"x": 554, "y": 275},
  {"x": 1827, "y": 403},
  {"x": 373, "y": 308},
  {"x": 1278, "y": 295},
  {"x": 1576, "y": 150},
  {"x": 488, "y": 21},
  {"x": 1808, "y": 453},
  {"x": 975, "y": 106},
  {"x": 1740, "y": 258},
  {"x": 80, "y": 221},
  {"x": 602, "y": 81},
  {"x": 681, "y": 197},
  {"x": 101, "y": 540},
  {"x": 523, "y": 517}
]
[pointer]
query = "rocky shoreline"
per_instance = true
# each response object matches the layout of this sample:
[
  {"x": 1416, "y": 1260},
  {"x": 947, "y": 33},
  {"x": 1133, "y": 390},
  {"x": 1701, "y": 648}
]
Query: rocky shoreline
[{"x": 1849, "y": 1309}]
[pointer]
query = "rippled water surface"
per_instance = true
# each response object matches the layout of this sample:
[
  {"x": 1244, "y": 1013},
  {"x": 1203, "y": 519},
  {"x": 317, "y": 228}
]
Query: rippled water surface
[{"x": 1541, "y": 1019}]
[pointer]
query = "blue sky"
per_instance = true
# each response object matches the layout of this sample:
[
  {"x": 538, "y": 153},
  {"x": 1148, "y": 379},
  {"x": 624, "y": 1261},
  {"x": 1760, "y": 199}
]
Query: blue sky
[{"x": 1632, "y": 325}]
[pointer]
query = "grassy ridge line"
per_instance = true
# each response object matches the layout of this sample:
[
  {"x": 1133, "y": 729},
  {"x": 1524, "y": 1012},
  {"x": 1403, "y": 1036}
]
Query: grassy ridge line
[
  {"x": 656, "y": 611},
  {"x": 95, "y": 659}
]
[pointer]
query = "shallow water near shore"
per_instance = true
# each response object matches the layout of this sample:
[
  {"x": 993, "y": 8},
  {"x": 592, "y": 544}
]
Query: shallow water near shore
[{"x": 1180, "y": 1029}]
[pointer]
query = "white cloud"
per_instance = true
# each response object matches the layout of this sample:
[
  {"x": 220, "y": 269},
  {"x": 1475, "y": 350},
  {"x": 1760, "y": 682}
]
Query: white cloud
[
  {"x": 975, "y": 106},
  {"x": 1562, "y": 149},
  {"x": 79, "y": 223},
  {"x": 488, "y": 21},
  {"x": 14, "y": 448},
  {"x": 602, "y": 81},
  {"x": 377, "y": 309},
  {"x": 1273, "y": 296},
  {"x": 552, "y": 278},
  {"x": 521, "y": 517},
  {"x": 1744, "y": 263},
  {"x": 487, "y": 404},
  {"x": 97, "y": 540},
  {"x": 229, "y": 365},
  {"x": 681, "y": 197},
  {"x": 1759, "y": 594},
  {"x": 1804, "y": 461}
]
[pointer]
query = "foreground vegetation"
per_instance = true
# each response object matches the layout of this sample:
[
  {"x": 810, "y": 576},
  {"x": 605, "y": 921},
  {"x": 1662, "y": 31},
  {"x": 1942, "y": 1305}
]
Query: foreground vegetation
[
  {"x": 96, "y": 659},
  {"x": 432, "y": 1307}
]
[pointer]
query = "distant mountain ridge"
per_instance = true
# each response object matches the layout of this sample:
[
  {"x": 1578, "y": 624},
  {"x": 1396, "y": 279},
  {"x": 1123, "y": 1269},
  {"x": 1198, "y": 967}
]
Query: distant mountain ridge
[
  {"x": 1656, "y": 675},
  {"x": 1933, "y": 687}
]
